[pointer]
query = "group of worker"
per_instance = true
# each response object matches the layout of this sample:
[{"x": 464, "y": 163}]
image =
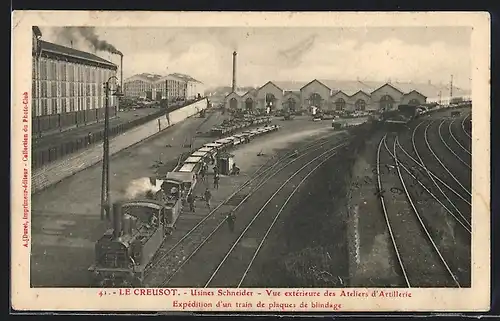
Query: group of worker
[{"x": 207, "y": 195}]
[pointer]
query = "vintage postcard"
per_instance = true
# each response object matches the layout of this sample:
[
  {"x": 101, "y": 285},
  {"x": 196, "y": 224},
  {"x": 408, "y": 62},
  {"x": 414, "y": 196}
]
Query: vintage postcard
[{"x": 258, "y": 162}]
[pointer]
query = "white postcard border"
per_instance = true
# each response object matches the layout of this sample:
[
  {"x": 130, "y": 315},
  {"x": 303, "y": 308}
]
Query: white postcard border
[{"x": 23, "y": 297}]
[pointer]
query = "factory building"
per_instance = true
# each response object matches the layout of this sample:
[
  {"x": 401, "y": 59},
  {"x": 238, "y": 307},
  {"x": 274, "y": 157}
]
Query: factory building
[
  {"x": 140, "y": 86},
  {"x": 156, "y": 87},
  {"x": 333, "y": 95},
  {"x": 67, "y": 86},
  {"x": 193, "y": 87}
]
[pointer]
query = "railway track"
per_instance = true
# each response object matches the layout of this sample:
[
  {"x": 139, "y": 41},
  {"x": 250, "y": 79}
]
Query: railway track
[
  {"x": 435, "y": 170},
  {"x": 460, "y": 204},
  {"x": 462, "y": 183},
  {"x": 462, "y": 123},
  {"x": 190, "y": 240},
  {"x": 449, "y": 232},
  {"x": 454, "y": 142},
  {"x": 420, "y": 261},
  {"x": 238, "y": 260},
  {"x": 450, "y": 206},
  {"x": 221, "y": 239},
  {"x": 464, "y": 145}
]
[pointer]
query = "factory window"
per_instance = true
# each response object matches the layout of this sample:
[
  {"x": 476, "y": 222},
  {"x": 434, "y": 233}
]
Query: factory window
[
  {"x": 53, "y": 67},
  {"x": 87, "y": 74},
  {"x": 43, "y": 69},
  {"x": 249, "y": 104},
  {"x": 386, "y": 102},
  {"x": 360, "y": 105},
  {"x": 57, "y": 74},
  {"x": 54, "y": 106},
  {"x": 50, "y": 110},
  {"x": 53, "y": 89},
  {"x": 33, "y": 68},
  {"x": 340, "y": 104},
  {"x": 43, "y": 86},
  {"x": 87, "y": 103},
  {"x": 72, "y": 104},
  {"x": 315, "y": 100},
  {"x": 49, "y": 71},
  {"x": 71, "y": 72},
  {"x": 33, "y": 107},
  {"x": 63, "y": 90},
  {"x": 233, "y": 103},
  {"x": 75, "y": 73},
  {"x": 291, "y": 104},
  {"x": 98, "y": 76},
  {"x": 45, "y": 109},
  {"x": 63, "y": 105},
  {"x": 63, "y": 72}
]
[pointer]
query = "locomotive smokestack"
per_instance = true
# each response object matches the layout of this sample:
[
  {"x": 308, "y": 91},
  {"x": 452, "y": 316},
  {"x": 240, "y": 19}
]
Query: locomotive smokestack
[
  {"x": 117, "y": 219},
  {"x": 234, "y": 72}
]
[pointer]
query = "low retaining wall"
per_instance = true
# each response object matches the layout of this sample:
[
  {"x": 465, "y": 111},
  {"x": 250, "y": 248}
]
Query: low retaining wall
[{"x": 57, "y": 171}]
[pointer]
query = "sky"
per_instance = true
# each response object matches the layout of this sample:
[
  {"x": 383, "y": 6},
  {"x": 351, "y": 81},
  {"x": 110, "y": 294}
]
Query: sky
[{"x": 417, "y": 54}]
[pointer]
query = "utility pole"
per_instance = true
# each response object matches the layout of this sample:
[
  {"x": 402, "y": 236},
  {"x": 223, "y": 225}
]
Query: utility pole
[
  {"x": 440, "y": 97},
  {"x": 105, "y": 159},
  {"x": 105, "y": 202},
  {"x": 451, "y": 87}
]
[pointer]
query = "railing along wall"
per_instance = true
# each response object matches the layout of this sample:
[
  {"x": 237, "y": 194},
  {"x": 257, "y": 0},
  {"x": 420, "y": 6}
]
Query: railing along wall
[{"x": 44, "y": 156}]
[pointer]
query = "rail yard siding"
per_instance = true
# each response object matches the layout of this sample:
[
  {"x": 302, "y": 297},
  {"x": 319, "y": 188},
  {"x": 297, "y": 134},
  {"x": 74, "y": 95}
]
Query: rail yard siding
[{"x": 59, "y": 170}]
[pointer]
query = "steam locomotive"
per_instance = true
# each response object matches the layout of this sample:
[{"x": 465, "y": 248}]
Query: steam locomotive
[{"x": 125, "y": 251}]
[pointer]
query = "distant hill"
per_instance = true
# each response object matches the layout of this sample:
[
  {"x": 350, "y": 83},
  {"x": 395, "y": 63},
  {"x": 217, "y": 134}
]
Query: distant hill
[
  {"x": 350, "y": 87},
  {"x": 225, "y": 90}
]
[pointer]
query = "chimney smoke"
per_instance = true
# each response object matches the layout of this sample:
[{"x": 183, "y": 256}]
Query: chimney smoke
[
  {"x": 234, "y": 72},
  {"x": 88, "y": 33}
]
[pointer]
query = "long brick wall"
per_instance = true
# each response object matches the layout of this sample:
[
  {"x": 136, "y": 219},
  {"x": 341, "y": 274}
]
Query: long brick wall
[{"x": 57, "y": 171}]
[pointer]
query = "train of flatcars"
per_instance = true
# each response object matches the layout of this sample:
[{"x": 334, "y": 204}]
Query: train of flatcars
[
  {"x": 230, "y": 126},
  {"x": 140, "y": 226},
  {"x": 399, "y": 119}
]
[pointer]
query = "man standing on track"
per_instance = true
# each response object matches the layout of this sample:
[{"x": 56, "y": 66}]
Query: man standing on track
[
  {"x": 230, "y": 221},
  {"x": 216, "y": 181},
  {"x": 190, "y": 200},
  {"x": 208, "y": 197}
]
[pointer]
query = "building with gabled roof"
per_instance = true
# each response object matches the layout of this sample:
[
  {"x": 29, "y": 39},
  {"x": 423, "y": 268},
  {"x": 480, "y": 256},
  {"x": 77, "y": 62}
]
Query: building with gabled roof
[{"x": 340, "y": 95}]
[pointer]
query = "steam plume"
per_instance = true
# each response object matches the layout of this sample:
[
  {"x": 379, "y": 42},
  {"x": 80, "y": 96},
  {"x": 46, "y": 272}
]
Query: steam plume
[
  {"x": 139, "y": 187},
  {"x": 88, "y": 33}
]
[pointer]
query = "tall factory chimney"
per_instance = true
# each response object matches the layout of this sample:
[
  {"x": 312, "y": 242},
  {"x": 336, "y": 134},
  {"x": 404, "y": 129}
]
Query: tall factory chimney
[
  {"x": 121, "y": 71},
  {"x": 234, "y": 72}
]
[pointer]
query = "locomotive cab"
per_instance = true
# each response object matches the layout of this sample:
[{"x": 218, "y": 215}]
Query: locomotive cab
[{"x": 185, "y": 181}]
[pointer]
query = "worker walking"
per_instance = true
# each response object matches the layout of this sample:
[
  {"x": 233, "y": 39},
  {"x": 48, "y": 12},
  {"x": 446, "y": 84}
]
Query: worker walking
[
  {"x": 190, "y": 200},
  {"x": 202, "y": 173},
  {"x": 216, "y": 181},
  {"x": 208, "y": 197},
  {"x": 230, "y": 218}
]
